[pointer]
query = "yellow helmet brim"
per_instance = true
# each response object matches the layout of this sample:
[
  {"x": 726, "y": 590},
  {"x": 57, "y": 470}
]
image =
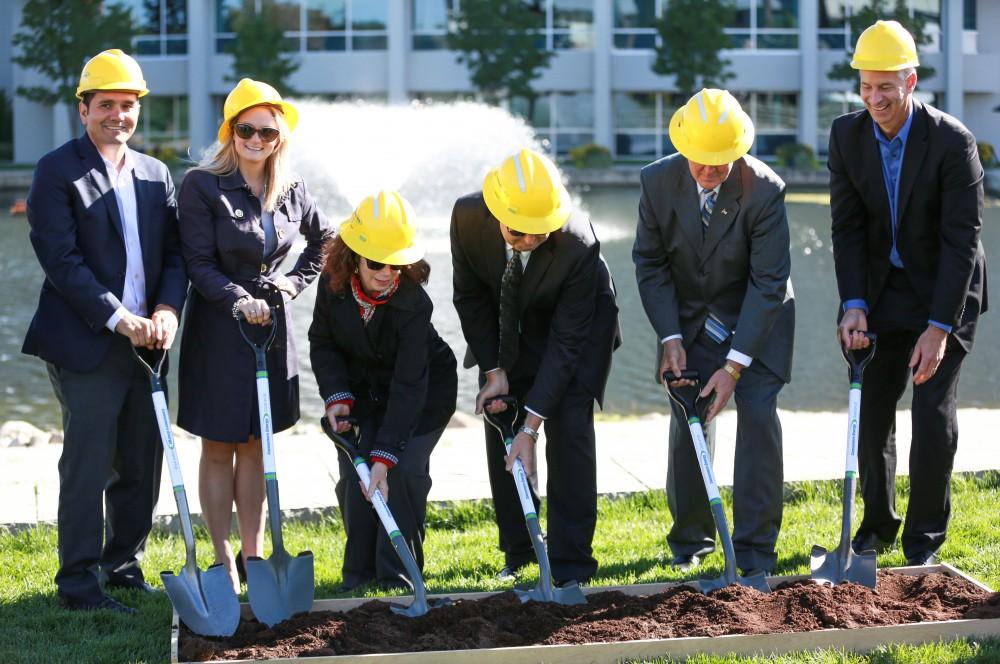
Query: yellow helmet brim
[
  {"x": 352, "y": 238},
  {"x": 691, "y": 151}
]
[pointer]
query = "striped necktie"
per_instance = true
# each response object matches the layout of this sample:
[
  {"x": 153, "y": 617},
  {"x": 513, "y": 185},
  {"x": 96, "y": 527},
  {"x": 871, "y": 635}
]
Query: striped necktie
[
  {"x": 706, "y": 210},
  {"x": 509, "y": 320}
]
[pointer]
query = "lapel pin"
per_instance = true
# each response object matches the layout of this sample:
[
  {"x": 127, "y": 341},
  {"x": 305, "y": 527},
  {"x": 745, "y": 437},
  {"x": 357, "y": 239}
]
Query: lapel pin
[
  {"x": 725, "y": 211},
  {"x": 238, "y": 214}
]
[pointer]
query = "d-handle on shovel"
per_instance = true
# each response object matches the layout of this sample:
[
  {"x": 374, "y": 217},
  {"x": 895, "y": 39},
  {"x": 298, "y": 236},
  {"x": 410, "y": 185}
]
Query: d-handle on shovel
[
  {"x": 843, "y": 564},
  {"x": 205, "y": 601},
  {"x": 687, "y": 398},
  {"x": 345, "y": 444},
  {"x": 280, "y": 586},
  {"x": 546, "y": 590}
]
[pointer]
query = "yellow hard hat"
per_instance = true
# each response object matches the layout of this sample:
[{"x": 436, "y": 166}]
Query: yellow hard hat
[
  {"x": 885, "y": 46},
  {"x": 382, "y": 229},
  {"x": 526, "y": 193},
  {"x": 711, "y": 128},
  {"x": 247, "y": 94},
  {"x": 111, "y": 70}
]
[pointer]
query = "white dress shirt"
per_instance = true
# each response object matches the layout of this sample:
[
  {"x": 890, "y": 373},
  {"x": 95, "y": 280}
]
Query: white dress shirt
[{"x": 134, "y": 293}]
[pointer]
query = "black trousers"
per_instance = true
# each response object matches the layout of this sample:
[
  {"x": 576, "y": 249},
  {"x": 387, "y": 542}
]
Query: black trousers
[
  {"x": 109, "y": 473},
  {"x": 368, "y": 552},
  {"x": 571, "y": 459},
  {"x": 757, "y": 470}
]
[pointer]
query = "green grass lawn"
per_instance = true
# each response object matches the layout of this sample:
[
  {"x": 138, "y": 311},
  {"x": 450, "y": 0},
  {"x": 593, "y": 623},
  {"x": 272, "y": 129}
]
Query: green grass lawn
[{"x": 461, "y": 555}]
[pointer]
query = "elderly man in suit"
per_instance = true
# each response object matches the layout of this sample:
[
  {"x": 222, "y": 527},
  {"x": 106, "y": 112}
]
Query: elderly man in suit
[
  {"x": 104, "y": 227},
  {"x": 906, "y": 195},
  {"x": 712, "y": 261},
  {"x": 537, "y": 307}
]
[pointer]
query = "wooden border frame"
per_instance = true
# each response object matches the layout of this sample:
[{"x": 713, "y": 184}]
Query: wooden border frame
[{"x": 855, "y": 640}]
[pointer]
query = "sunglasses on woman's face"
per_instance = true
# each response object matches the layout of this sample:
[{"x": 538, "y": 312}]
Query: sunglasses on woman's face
[
  {"x": 246, "y": 132},
  {"x": 375, "y": 266}
]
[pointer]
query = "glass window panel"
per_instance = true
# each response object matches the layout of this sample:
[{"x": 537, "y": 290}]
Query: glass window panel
[
  {"x": 177, "y": 46},
  {"x": 429, "y": 42},
  {"x": 636, "y": 145},
  {"x": 176, "y": 17},
  {"x": 575, "y": 109},
  {"x": 329, "y": 43},
  {"x": 577, "y": 38},
  {"x": 777, "y": 111},
  {"x": 223, "y": 44},
  {"x": 566, "y": 142},
  {"x": 431, "y": 15},
  {"x": 285, "y": 14},
  {"x": 671, "y": 102},
  {"x": 368, "y": 43},
  {"x": 519, "y": 107},
  {"x": 777, "y": 41},
  {"x": 634, "y": 110},
  {"x": 226, "y": 10},
  {"x": 969, "y": 15},
  {"x": 666, "y": 147},
  {"x": 144, "y": 46},
  {"x": 635, "y": 13},
  {"x": 777, "y": 13},
  {"x": 369, "y": 14},
  {"x": 326, "y": 15},
  {"x": 742, "y": 14},
  {"x": 635, "y": 41},
  {"x": 159, "y": 113},
  {"x": 833, "y": 41},
  {"x": 768, "y": 144},
  {"x": 832, "y": 13},
  {"x": 290, "y": 43},
  {"x": 739, "y": 40},
  {"x": 182, "y": 115},
  {"x": 145, "y": 15},
  {"x": 572, "y": 13}
]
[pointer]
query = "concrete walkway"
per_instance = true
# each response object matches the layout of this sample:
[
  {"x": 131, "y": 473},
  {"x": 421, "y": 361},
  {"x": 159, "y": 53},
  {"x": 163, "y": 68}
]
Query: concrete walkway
[{"x": 631, "y": 457}]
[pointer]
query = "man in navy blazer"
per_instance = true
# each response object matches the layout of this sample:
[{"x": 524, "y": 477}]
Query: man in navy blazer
[{"x": 104, "y": 227}]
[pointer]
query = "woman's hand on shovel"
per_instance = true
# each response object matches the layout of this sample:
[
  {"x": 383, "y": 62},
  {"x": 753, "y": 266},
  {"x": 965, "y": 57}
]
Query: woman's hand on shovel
[
  {"x": 379, "y": 480},
  {"x": 341, "y": 410}
]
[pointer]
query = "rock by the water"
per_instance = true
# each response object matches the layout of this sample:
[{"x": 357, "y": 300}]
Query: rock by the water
[{"x": 18, "y": 433}]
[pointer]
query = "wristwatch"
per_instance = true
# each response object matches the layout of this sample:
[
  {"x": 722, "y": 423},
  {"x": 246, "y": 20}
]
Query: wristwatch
[
  {"x": 732, "y": 371},
  {"x": 529, "y": 431}
]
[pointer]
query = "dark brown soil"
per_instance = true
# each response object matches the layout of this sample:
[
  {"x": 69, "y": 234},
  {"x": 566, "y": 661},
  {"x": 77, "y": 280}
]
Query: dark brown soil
[{"x": 502, "y": 621}]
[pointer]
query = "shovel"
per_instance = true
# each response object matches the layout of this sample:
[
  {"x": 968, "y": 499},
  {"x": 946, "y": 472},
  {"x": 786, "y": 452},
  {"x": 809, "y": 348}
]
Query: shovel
[
  {"x": 546, "y": 590},
  {"x": 280, "y": 586},
  {"x": 418, "y": 606},
  {"x": 204, "y": 601},
  {"x": 843, "y": 564},
  {"x": 687, "y": 398}
]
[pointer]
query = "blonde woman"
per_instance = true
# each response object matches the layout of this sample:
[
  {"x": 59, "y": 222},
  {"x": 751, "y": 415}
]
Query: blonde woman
[{"x": 240, "y": 211}]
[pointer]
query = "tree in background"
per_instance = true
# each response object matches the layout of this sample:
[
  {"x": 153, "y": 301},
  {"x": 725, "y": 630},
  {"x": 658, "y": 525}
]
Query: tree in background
[
  {"x": 57, "y": 37},
  {"x": 865, "y": 17},
  {"x": 502, "y": 44},
  {"x": 691, "y": 36},
  {"x": 259, "y": 50}
]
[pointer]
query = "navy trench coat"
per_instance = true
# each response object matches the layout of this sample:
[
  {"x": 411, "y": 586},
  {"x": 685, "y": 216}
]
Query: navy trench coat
[{"x": 223, "y": 244}]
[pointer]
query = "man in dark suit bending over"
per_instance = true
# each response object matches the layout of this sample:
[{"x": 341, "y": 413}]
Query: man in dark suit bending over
[
  {"x": 104, "y": 227},
  {"x": 537, "y": 307},
  {"x": 906, "y": 195}
]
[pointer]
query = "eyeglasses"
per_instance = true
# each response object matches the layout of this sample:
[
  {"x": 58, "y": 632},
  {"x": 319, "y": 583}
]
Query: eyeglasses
[
  {"x": 375, "y": 266},
  {"x": 514, "y": 233},
  {"x": 246, "y": 132}
]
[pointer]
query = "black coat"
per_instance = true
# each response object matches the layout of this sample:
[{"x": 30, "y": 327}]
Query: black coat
[
  {"x": 223, "y": 244},
  {"x": 568, "y": 314},
  {"x": 939, "y": 216},
  {"x": 76, "y": 231},
  {"x": 401, "y": 373}
]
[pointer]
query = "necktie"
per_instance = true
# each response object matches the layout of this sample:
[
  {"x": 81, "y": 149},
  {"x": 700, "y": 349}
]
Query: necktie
[
  {"x": 706, "y": 210},
  {"x": 510, "y": 284}
]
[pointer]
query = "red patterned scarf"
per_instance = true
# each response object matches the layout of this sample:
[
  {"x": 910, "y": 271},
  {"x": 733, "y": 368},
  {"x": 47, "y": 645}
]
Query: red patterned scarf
[{"x": 367, "y": 303}]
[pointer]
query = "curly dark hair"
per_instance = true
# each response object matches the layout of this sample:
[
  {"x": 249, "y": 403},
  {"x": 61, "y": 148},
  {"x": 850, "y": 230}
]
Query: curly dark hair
[{"x": 340, "y": 262}]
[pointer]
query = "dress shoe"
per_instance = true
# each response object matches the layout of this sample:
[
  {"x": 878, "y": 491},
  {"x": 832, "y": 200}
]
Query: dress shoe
[
  {"x": 131, "y": 583},
  {"x": 923, "y": 558},
  {"x": 869, "y": 542},
  {"x": 508, "y": 573},
  {"x": 753, "y": 571},
  {"x": 685, "y": 562},
  {"x": 106, "y": 604}
]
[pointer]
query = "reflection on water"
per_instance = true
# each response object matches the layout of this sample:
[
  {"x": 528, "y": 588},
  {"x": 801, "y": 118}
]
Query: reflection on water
[{"x": 819, "y": 376}]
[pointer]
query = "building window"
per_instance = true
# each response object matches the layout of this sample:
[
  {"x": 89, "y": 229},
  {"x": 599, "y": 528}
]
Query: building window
[
  {"x": 635, "y": 23},
  {"x": 431, "y": 21},
  {"x": 642, "y": 122},
  {"x": 562, "y": 120},
  {"x": 569, "y": 24},
  {"x": 163, "y": 123},
  {"x": 161, "y": 27},
  {"x": 313, "y": 25},
  {"x": 835, "y": 27}
]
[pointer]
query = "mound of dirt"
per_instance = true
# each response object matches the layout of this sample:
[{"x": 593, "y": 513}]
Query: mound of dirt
[{"x": 502, "y": 621}]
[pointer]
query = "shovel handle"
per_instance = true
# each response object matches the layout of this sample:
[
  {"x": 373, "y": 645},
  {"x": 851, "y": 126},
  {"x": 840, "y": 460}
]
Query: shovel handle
[
  {"x": 505, "y": 419},
  {"x": 685, "y": 396},
  {"x": 857, "y": 360}
]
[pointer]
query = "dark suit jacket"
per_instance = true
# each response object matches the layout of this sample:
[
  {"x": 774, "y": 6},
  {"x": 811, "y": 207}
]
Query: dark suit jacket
[
  {"x": 77, "y": 234},
  {"x": 939, "y": 213},
  {"x": 401, "y": 373},
  {"x": 569, "y": 318},
  {"x": 739, "y": 272}
]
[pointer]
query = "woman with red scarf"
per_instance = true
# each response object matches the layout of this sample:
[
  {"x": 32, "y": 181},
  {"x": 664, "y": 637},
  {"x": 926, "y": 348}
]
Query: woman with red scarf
[{"x": 378, "y": 359}]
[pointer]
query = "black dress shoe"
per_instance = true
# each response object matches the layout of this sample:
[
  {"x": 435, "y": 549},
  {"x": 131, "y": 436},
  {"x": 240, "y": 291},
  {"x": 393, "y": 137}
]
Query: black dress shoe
[
  {"x": 510, "y": 572},
  {"x": 869, "y": 542},
  {"x": 104, "y": 604},
  {"x": 685, "y": 562},
  {"x": 135, "y": 584},
  {"x": 923, "y": 558}
]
